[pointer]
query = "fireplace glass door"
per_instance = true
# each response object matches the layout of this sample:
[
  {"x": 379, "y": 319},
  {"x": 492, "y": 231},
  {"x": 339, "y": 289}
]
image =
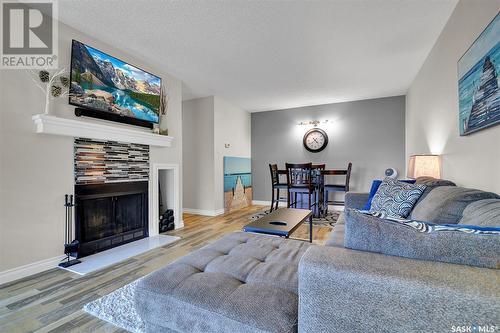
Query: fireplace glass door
[
  {"x": 97, "y": 219},
  {"x": 108, "y": 215}
]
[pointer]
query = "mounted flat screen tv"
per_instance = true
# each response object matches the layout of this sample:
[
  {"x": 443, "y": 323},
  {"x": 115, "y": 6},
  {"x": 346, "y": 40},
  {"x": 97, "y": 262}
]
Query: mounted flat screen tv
[{"x": 105, "y": 87}]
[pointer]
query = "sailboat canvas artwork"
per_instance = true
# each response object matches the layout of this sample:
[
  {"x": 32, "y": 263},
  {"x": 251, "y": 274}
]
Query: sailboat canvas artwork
[{"x": 478, "y": 80}]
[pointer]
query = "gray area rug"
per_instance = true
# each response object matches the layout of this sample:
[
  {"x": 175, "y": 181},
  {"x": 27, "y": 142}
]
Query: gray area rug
[
  {"x": 328, "y": 221},
  {"x": 118, "y": 308}
]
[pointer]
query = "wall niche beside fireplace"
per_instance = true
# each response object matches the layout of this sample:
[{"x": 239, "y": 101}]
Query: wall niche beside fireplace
[{"x": 111, "y": 194}]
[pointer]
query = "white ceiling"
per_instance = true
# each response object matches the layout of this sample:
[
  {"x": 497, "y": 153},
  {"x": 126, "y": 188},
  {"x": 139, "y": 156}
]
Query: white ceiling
[{"x": 266, "y": 55}]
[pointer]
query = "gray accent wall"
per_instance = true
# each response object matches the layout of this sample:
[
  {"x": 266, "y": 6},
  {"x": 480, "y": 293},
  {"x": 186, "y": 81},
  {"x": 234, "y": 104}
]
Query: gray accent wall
[{"x": 368, "y": 133}]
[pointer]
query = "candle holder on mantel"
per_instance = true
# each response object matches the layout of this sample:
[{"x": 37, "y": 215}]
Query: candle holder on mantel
[
  {"x": 70, "y": 247},
  {"x": 156, "y": 129}
]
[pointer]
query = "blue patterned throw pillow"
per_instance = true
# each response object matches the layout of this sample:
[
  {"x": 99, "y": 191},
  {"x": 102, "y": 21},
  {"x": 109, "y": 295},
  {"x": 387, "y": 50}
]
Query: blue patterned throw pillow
[
  {"x": 395, "y": 198},
  {"x": 375, "y": 184}
]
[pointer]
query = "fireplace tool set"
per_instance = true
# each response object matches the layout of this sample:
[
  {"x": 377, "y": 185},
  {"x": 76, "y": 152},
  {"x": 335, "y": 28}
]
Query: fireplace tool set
[{"x": 70, "y": 246}]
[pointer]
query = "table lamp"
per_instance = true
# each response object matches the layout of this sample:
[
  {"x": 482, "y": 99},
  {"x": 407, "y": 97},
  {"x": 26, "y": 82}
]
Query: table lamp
[{"x": 424, "y": 165}]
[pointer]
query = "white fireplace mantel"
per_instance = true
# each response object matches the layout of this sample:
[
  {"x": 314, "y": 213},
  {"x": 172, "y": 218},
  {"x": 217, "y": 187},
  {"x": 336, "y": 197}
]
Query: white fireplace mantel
[{"x": 48, "y": 124}]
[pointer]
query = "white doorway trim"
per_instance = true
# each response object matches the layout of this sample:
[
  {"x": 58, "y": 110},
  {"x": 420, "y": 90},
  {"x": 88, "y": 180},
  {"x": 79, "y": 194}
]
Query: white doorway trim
[{"x": 173, "y": 190}]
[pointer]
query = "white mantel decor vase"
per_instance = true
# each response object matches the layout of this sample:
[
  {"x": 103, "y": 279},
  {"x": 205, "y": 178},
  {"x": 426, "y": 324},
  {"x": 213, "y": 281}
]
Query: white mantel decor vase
[{"x": 163, "y": 125}]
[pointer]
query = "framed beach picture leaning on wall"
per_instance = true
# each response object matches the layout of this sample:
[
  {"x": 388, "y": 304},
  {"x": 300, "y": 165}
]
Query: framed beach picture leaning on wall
[
  {"x": 478, "y": 76},
  {"x": 237, "y": 182}
]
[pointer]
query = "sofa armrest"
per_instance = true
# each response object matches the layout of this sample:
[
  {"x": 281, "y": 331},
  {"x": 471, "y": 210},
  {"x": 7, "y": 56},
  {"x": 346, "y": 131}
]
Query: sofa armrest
[
  {"x": 342, "y": 290},
  {"x": 356, "y": 200}
]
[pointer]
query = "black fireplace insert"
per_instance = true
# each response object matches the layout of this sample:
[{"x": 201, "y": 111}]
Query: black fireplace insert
[{"x": 108, "y": 215}]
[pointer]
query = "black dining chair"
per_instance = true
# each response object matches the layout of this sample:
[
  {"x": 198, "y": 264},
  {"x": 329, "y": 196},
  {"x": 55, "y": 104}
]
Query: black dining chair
[
  {"x": 276, "y": 187},
  {"x": 318, "y": 185},
  {"x": 299, "y": 180},
  {"x": 334, "y": 187}
]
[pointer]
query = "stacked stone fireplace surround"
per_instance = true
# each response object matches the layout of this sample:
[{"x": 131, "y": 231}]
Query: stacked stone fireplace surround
[{"x": 111, "y": 193}]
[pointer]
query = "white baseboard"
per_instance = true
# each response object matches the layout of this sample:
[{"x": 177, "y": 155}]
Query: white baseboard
[
  {"x": 204, "y": 212},
  {"x": 283, "y": 204},
  {"x": 40, "y": 266},
  {"x": 29, "y": 269},
  {"x": 267, "y": 203}
]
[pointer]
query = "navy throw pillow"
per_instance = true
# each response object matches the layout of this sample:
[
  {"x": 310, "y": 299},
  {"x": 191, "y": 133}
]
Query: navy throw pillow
[{"x": 375, "y": 184}]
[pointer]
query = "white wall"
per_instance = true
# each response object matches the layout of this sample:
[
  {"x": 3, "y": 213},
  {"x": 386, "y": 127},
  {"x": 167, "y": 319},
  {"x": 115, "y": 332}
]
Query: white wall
[
  {"x": 198, "y": 166},
  {"x": 37, "y": 169},
  {"x": 231, "y": 126},
  {"x": 208, "y": 124},
  {"x": 432, "y": 105}
]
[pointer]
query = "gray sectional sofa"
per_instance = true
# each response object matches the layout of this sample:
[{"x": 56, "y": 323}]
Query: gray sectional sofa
[{"x": 255, "y": 283}]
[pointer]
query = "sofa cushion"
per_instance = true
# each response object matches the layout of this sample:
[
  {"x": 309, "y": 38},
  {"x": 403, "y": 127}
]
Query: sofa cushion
[
  {"x": 395, "y": 198},
  {"x": 368, "y": 233},
  {"x": 431, "y": 184},
  {"x": 445, "y": 204},
  {"x": 484, "y": 213},
  {"x": 362, "y": 292},
  {"x": 243, "y": 282}
]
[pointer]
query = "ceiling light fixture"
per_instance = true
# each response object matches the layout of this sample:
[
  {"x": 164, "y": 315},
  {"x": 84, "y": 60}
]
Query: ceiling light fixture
[{"x": 315, "y": 123}]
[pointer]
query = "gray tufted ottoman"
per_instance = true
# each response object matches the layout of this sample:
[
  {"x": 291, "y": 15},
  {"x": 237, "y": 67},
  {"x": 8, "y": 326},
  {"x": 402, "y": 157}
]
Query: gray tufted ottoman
[{"x": 241, "y": 283}]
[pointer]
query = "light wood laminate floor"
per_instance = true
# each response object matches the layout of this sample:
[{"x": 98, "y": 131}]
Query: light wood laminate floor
[{"x": 52, "y": 301}]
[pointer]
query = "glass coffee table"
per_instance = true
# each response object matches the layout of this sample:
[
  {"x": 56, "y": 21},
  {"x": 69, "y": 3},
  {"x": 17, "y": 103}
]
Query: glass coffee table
[{"x": 282, "y": 222}]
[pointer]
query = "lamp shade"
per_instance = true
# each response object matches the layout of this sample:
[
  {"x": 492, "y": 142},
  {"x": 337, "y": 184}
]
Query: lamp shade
[{"x": 424, "y": 165}]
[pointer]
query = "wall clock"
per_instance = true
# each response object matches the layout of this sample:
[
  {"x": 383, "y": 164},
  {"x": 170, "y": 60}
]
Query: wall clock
[{"x": 315, "y": 140}]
